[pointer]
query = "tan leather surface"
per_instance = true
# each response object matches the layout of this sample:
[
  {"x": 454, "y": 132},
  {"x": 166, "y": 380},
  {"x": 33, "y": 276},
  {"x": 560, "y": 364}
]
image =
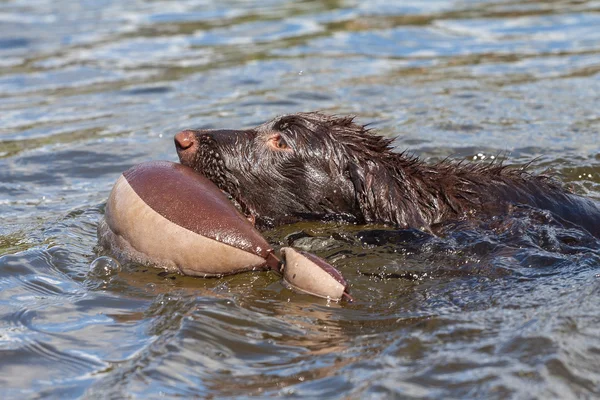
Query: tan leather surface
[
  {"x": 193, "y": 202},
  {"x": 161, "y": 240},
  {"x": 307, "y": 276}
]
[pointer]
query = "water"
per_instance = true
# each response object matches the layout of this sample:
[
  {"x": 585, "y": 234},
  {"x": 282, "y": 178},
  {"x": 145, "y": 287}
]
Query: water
[{"x": 88, "y": 89}]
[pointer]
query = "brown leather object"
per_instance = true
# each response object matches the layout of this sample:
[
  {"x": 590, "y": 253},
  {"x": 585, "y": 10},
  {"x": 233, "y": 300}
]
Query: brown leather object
[{"x": 165, "y": 214}]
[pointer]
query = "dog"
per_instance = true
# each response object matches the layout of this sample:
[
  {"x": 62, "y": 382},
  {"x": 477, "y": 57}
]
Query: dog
[{"x": 315, "y": 166}]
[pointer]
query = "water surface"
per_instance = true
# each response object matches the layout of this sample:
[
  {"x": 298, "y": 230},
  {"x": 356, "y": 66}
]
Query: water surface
[{"x": 88, "y": 89}]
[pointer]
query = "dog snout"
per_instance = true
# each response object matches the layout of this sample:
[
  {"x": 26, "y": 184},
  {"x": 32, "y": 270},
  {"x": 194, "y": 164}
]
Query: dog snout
[
  {"x": 184, "y": 140},
  {"x": 187, "y": 143}
]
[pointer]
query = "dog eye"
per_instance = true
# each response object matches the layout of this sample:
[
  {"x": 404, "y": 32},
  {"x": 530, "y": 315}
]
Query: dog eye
[{"x": 278, "y": 143}]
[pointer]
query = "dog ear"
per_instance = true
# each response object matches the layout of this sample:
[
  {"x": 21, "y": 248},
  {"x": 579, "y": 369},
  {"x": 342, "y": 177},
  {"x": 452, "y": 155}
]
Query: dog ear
[
  {"x": 380, "y": 196},
  {"x": 362, "y": 178},
  {"x": 357, "y": 177}
]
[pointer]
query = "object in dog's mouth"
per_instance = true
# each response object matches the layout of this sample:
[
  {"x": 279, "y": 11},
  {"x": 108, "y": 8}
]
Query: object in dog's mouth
[{"x": 166, "y": 215}]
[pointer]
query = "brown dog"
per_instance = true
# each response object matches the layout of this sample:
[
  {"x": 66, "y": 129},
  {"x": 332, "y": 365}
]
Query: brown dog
[{"x": 322, "y": 167}]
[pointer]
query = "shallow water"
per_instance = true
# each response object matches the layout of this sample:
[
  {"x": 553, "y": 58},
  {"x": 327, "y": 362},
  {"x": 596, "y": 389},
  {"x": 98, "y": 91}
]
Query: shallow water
[{"x": 89, "y": 89}]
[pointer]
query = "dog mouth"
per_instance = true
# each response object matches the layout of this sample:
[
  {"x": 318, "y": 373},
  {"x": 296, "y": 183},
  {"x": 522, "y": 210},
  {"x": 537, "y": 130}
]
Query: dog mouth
[
  {"x": 241, "y": 206},
  {"x": 209, "y": 163}
]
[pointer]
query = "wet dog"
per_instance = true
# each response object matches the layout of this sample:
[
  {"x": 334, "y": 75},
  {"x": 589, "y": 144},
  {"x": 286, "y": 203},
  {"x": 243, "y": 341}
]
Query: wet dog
[{"x": 314, "y": 166}]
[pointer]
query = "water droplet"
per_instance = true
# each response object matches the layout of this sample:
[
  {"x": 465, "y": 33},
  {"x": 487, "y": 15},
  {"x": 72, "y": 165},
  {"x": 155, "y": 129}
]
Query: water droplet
[{"x": 104, "y": 266}]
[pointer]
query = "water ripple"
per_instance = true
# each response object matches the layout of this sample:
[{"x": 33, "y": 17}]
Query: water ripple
[{"x": 503, "y": 308}]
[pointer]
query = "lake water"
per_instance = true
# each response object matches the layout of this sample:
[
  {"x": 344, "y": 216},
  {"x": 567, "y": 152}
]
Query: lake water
[{"x": 87, "y": 89}]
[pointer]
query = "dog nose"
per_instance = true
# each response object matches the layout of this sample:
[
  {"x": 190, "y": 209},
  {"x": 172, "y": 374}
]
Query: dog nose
[
  {"x": 184, "y": 140},
  {"x": 187, "y": 145}
]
